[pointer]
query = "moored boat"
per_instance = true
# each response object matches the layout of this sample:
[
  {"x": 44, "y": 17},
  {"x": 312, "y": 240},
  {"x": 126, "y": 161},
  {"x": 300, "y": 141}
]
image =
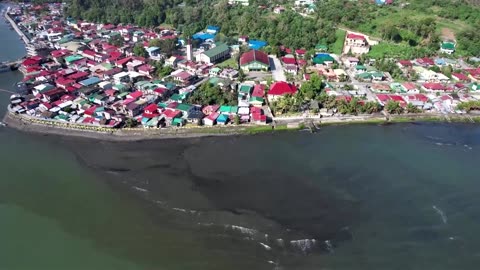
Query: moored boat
[{"x": 4, "y": 67}]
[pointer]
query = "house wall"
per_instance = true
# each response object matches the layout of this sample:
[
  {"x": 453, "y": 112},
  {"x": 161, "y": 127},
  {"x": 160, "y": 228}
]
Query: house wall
[{"x": 255, "y": 66}]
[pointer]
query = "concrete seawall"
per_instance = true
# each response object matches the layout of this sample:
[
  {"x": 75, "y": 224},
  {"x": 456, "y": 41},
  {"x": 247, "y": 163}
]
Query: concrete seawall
[
  {"x": 35, "y": 125},
  {"x": 17, "y": 29}
]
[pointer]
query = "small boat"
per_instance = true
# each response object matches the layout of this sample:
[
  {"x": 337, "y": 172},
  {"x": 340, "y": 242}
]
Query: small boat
[
  {"x": 2, "y": 124},
  {"x": 4, "y": 67}
]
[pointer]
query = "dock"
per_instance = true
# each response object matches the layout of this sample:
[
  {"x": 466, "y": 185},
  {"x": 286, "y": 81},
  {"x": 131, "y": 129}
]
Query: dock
[
  {"x": 7, "y": 91},
  {"x": 15, "y": 27}
]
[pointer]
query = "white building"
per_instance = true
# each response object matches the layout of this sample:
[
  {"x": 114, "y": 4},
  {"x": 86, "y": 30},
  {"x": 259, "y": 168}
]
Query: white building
[
  {"x": 239, "y": 2},
  {"x": 304, "y": 2}
]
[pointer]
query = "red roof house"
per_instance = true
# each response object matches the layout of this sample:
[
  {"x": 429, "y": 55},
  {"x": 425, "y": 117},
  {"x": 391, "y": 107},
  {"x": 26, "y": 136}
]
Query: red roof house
[
  {"x": 460, "y": 77},
  {"x": 434, "y": 87},
  {"x": 253, "y": 60},
  {"x": 405, "y": 63},
  {"x": 151, "y": 111},
  {"x": 258, "y": 90},
  {"x": 355, "y": 36},
  {"x": 280, "y": 89}
]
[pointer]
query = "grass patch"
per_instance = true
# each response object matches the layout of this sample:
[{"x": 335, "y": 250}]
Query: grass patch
[
  {"x": 262, "y": 129},
  {"x": 388, "y": 49},
  {"x": 337, "y": 47},
  {"x": 231, "y": 63}
]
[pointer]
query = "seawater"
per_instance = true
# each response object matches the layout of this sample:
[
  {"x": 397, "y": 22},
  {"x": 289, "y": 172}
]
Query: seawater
[{"x": 348, "y": 197}]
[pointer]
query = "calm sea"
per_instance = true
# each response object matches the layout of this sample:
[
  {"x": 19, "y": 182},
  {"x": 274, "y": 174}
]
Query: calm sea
[{"x": 348, "y": 197}]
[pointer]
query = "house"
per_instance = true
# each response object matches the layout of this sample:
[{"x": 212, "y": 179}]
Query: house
[
  {"x": 134, "y": 65},
  {"x": 195, "y": 116},
  {"x": 170, "y": 114},
  {"x": 279, "y": 10},
  {"x": 211, "y": 119},
  {"x": 280, "y": 89},
  {"x": 371, "y": 76},
  {"x": 211, "y": 29},
  {"x": 219, "y": 52},
  {"x": 172, "y": 61},
  {"x": 183, "y": 77},
  {"x": 244, "y": 92},
  {"x": 447, "y": 47},
  {"x": 64, "y": 83},
  {"x": 121, "y": 77},
  {"x": 186, "y": 109},
  {"x": 288, "y": 60},
  {"x": 323, "y": 59},
  {"x": 427, "y": 75},
  {"x": 153, "y": 52},
  {"x": 243, "y": 39},
  {"x": 254, "y": 60},
  {"x": 460, "y": 77},
  {"x": 146, "y": 70},
  {"x": 425, "y": 62},
  {"x": 151, "y": 111},
  {"x": 355, "y": 40},
  {"x": 214, "y": 71},
  {"x": 207, "y": 110},
  {"x": 90, "y": 81},
  {"x": 304, "y": 2},
  {"x": 238, "y": 2},
  {"x": 430, "y": 87},
  {"x": 257, "y": 115},
  {"x": 222, "y": 119},
  {"x": 351, "y": 61},
  {"x": 474, "y": 74},
  {"x": 409, "y": 87},
  {"x": 53, "y": 94},
  {"x": 382, "y": 88},
  {"x": 404, "y": 64},
  {"x": 228, "y": 110}
]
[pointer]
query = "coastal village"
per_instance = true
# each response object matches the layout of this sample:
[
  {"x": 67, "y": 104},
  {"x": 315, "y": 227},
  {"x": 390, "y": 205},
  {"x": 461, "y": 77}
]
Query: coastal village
[{"x": 118, "y": 76}]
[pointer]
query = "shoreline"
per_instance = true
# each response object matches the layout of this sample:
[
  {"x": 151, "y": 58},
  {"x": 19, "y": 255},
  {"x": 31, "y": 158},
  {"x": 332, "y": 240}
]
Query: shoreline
[
  {"x": 22, "y": 35},
  {"x": 24, "y": 124}
]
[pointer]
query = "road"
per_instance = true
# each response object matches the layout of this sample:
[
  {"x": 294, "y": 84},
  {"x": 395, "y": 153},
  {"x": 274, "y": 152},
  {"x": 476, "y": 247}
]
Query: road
[
  {"x": 361, "y": 86},
  {"x": 277, "y": 70}
]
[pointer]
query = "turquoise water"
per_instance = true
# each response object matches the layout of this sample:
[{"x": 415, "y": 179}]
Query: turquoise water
[{"x": 373, "y": 197}]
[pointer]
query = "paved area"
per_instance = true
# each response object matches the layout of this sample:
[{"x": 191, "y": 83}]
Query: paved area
[{"x": 277, "y": 70}]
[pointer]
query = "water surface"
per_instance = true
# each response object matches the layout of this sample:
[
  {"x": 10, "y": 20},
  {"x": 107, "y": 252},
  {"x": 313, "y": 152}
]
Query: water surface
[{"x": 349, "y": 197}]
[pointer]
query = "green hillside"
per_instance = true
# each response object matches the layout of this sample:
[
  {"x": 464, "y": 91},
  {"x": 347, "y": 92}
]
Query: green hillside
[{"x": 416, "y": 26}]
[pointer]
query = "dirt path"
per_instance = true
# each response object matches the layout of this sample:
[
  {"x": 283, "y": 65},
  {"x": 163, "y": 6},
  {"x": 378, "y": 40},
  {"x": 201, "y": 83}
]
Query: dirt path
[{"x": 448, "y": 34}]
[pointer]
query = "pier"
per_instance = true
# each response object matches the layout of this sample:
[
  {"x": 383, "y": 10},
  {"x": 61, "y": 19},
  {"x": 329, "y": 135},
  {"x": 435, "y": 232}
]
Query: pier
[
  {"x": 7, "y": 91},
  {"x": 15, "y": 27}
]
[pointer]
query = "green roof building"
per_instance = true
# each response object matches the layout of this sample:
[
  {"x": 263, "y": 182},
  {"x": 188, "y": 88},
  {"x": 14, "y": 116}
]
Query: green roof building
[
  {"x": 256, "y": 101},
  {"x": 184, "y": 107},
  {"x": 73, "y": 58},
  {"x": 447, "y": 47},
  {"x": 323, "y": 59},
  {"x": 228, "y": 109},
  {"x": 219, "y": 52},
  {"x": 245, "y": 89}
]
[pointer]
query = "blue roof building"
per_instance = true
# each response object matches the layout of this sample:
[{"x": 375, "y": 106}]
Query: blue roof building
[
  {"x": 213, "y": 29},
  {"x": 90, "y": 81},
  {"x": 222, "y": 119},
  {"x": 203, "y": 36},
  {"x": 256, "y": 44}
]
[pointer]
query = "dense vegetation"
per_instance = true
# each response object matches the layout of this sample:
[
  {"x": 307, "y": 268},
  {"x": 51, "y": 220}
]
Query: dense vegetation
[
  {"x": 414, "y": 29},
  {"x": 211, "y": 94},
  {"x": 469, "y": 106}
]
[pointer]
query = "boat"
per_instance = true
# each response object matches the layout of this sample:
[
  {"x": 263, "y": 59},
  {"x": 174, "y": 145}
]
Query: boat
[
  {"x": 3, "y": 124},
  {"x": 4, "y": 67}
]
